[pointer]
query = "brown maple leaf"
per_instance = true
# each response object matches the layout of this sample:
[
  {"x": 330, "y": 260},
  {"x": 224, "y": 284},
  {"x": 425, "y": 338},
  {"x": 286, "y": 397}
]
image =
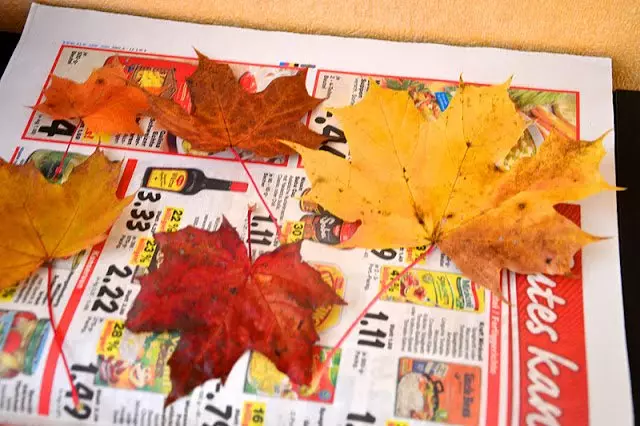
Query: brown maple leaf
[
  {"x": 44, "y": 221},
  {"x": 225, "y": 115},
  {"x": 411, "y": 182},
  {"x": 106, "y": 102},
  {"x": 207, "y": 289}
]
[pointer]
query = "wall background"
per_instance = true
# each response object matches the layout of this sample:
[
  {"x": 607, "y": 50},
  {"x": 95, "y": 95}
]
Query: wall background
[{"x": 589, "y": 27}]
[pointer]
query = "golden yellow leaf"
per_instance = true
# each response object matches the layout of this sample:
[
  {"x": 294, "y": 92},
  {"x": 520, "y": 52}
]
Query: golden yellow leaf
[
  {"x": 411, "y": 182},
  {"x": 43, "y": 220}
]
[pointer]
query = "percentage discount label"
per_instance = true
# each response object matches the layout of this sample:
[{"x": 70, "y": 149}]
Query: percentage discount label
[
  {"x": 109, "y": 344},
  {"x": 292, "y": 232},
  {"x": 253, "y": 413},
  {"x": 146, "y": 246},
  {"x": 143, "y": 252},
  {"x": 171, "y": 219}
]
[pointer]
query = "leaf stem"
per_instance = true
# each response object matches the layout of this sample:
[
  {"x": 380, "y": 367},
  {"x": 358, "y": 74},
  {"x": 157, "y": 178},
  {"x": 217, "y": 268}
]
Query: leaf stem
[
  {"x": 249, "y": 211},
  {"x": 355, "y": 322},
  {"x": 58, "y": 171},
  {"x": 56, "y": 336},
  {"x": 255, "y": 186}
]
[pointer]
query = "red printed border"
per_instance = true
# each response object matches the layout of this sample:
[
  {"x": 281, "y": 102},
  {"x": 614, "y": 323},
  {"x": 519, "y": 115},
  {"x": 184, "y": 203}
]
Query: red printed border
[
  {"x": 494, "y": 367},
  {"x": 552, "y": 379},
  {"x": 72, "y": 305},
  {"x": 123, "y": 148}
]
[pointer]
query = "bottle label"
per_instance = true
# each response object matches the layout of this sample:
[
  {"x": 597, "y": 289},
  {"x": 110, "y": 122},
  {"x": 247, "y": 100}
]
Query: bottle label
[
  {"x": 327, "y": 229},
  {"x": 167, "y": 179}
]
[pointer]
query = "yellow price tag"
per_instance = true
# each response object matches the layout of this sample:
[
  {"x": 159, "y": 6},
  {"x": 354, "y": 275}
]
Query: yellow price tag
[
  {"x": 253, "y": 413},
  {"x": 295, "y": 232},
  {"x": 171, "y": 218},
  {"x": 396, "y": 423},
  {"x": 415, "y": 252},
  {"x": 95, "y": 137},
  {"x": 143, "y": 252},
  {"x": 7, "y": 294},
  {"x": 109, "y": 344}
]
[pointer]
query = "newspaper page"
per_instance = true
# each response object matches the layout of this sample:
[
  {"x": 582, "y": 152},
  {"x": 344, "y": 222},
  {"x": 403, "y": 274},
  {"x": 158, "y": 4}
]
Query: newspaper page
[{"x": 435, "y": 349}]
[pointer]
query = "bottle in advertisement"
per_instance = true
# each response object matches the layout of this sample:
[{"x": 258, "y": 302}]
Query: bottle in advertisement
[
  {"x": 324, "y": 228},
  {"x": 187, "y": 181},
  {"x": 22, "y": 340},
  {"x": 310, "y": 206},
  {"x": 327, "y": 228},
  {"x": 48, "y": 161}
]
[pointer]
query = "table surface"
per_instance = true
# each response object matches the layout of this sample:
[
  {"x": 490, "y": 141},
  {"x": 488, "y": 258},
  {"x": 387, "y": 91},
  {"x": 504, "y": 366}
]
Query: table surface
[{"x": 627, "y": 133}]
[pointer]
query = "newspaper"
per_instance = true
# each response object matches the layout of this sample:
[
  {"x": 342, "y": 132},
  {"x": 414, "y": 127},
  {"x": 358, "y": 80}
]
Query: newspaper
[{"x": 435, "y": 348}]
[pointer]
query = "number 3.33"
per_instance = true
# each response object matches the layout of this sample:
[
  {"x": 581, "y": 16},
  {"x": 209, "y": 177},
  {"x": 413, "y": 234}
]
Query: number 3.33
[{"x": 141, "y": 218}]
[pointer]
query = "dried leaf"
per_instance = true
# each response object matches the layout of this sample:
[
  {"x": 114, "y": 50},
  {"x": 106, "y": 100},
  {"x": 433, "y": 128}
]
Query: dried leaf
[
  {"x": 413, "y": 182},
  {"x": 223, "y": 305},
  {"x": 106, "y": 102},
  {"x": 45, "y": 221},
  {"x": 226, "y": 115}
]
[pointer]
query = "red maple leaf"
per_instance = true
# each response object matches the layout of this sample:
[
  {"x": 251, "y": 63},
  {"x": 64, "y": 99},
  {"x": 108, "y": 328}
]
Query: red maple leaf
[{"x": 207, "y": 289}]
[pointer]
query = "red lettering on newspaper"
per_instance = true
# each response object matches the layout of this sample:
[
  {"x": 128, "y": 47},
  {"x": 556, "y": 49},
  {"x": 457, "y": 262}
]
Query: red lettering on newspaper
[{"x": 551, "y": 340}]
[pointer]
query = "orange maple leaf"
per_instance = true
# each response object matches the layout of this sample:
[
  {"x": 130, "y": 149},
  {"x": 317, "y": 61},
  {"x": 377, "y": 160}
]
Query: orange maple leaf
[
  {"x": 106, "y": 102},
  {"x": 225, "y": 115}
]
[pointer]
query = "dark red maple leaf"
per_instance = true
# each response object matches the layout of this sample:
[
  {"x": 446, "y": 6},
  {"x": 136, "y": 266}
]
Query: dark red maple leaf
[{"x": 207, "y": 289}]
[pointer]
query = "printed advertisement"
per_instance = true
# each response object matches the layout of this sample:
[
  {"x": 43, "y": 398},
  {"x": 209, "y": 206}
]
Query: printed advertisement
[
  {"x": 438, "y": 391},
  {"x": 162, "y": 76},
  {"x": 434, "y": 348}
]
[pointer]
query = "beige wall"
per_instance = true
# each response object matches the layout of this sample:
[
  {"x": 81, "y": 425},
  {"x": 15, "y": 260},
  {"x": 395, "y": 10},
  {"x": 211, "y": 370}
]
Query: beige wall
[{"x": 594, "y": 27}]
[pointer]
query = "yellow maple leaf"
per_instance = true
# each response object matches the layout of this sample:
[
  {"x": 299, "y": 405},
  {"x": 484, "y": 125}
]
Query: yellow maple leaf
[
  {"x": 43, "y": 221},
  {"x": 411, "y": 182}
]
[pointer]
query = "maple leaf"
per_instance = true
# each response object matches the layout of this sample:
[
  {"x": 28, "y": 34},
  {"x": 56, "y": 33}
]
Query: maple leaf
[
  {"x": 411, "y": 182},
  {"x": 44, "y": 221},
  {"x": 223, "y": 305},
  {"x": 226, "y": 115},
  {"x": 106, "y": 102}
]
